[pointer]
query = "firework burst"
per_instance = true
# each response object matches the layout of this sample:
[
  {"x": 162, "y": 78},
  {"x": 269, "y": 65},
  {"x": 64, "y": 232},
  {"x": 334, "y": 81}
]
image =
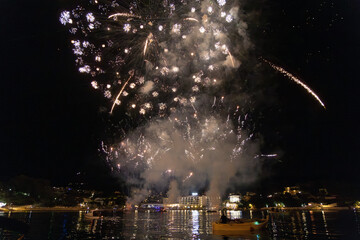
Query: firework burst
[
  {"x": 168, "y": 63},
  {"x": 164, "y": 44}
]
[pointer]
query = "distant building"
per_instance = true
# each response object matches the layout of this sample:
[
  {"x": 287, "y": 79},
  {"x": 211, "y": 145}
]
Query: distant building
[
  {"x": 194, "y": 202},
  {"x": 233, "y": 202},
  {"x": 292, "y": 190},
  {"x": 234, "y": 198}
]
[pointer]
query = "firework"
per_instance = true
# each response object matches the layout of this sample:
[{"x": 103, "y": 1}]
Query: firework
[
  {"x": 121, "y": 91},
  {"x": 295, "y": 79},
  {"x": 177, "y": 121},
  {"x": 128, "y": 15},
  {"x": 182, "y": 149},
  {"x": 159, "y": 41}
]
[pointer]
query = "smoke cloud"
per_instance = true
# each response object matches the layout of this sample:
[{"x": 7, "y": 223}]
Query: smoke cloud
[
  {"x": 180, "y": 156},
  {"x": 196, "y": 143}
]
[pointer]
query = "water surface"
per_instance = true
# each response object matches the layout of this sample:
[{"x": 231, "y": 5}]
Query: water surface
[{"x": 181, "y": 224}]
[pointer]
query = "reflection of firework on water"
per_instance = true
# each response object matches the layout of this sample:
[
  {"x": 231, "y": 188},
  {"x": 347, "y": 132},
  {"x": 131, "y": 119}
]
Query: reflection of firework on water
[{"x": 295, "y": 79}]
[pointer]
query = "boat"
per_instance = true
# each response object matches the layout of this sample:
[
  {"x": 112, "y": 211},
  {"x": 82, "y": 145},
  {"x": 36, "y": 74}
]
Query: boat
[
  {"x": 90, "y": 214},
  {"x": 239, "y": 226}
]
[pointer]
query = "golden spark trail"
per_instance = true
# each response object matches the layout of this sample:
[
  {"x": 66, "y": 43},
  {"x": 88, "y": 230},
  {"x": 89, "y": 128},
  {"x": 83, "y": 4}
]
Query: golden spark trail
[
  {"x": 295, "y": 79},
  {"x": 148, "y": 39},
  {"x": 121, "y": 90},
  {"x": 231, "y": 58},
  {"x": 146, "y": 43},
  {"x": 195, "y": 111},
  {"x": 123, "y": 15},
  {"x": 191, "y": 19}
]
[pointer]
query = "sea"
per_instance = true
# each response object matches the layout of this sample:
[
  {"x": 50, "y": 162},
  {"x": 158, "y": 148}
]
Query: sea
[{"x": 184, "y": 224}]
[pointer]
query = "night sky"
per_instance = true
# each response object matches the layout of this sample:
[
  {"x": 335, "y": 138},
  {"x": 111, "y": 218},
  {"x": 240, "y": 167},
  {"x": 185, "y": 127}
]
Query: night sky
[{"x": 51, "y": 125}]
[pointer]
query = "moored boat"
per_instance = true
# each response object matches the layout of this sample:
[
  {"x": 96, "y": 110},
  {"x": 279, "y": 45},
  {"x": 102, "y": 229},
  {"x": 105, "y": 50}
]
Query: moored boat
[
  {"x": 91, "y": 215},
  {"x": 239, "y": 226}
]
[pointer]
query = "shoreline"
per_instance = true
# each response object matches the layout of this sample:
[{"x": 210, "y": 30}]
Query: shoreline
[
  {"x": 308, "y": 208},
  {"x": 43, "y": 209},
  {"x": 78, "y": 209}
]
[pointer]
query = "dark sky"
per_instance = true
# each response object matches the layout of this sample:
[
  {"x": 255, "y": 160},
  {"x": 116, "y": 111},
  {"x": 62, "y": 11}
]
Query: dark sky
[
  {"x": 317, "y": 41},
  {"x": 50, "y": 121},
  {"x": 49, "y": 118}
]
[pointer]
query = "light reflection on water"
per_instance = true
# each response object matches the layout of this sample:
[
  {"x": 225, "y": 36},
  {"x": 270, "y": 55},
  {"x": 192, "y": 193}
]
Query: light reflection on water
[{"x": 185, "y": 224}]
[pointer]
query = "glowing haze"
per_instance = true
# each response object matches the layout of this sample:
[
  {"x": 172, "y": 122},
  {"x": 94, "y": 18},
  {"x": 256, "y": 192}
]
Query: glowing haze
[{"x": 171, "y": 67}]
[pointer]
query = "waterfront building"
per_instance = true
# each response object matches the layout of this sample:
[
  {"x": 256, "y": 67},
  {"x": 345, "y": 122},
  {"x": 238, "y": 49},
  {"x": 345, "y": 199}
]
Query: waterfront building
[
  {"x": 194, "y": 202},
  {"x": 233, "y": 202},
  {"x": 234, "y": 198},
  {"x": 292, "y": 190}
]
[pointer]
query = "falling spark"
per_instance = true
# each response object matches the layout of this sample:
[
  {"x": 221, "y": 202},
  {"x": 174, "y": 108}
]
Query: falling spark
[
  {"x": 149, "y": 39},
  {"x": 191, "y": 19},
  {"x": 189, "y": 176},
  {"x": 231, "y": 58},
  {"x": 121, "y": 90},
  {"x": 267, "y": 155},
  {"x": 226, "y": 51},
  {"x": 123, "y": 15},
  {"x": 295, "y": 79}
]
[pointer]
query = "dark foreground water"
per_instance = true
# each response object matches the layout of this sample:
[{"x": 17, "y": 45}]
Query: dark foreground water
[{"x": 185, "y": 225}]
